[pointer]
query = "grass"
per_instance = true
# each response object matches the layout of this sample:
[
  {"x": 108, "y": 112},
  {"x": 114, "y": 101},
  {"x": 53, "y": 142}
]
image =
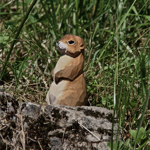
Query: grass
[{"x": 117, "y": 55}]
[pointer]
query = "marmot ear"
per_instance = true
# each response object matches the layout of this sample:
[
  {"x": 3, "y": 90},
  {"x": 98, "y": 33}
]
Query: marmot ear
[{"x": 82, "y": 46}]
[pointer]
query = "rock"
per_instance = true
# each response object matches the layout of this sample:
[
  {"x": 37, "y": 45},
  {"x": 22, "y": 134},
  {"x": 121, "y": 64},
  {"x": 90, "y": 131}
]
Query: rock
[{"x": 57, "y": 127}]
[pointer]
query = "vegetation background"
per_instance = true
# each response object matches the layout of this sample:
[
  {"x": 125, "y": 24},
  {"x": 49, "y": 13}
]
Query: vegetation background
[{"x": 117, "y": 55}]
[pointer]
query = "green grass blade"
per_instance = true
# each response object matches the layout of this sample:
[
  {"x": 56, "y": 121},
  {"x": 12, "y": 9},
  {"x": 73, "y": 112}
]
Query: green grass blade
[{"x": 16, "y": 36}]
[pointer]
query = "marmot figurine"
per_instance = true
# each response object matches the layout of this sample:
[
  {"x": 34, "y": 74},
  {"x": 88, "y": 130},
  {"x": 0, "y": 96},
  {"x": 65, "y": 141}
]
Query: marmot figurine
[{"x": 68, "y": 86}]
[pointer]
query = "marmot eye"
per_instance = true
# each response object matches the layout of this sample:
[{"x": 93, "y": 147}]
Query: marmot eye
[{"x": 71, "y": 42}]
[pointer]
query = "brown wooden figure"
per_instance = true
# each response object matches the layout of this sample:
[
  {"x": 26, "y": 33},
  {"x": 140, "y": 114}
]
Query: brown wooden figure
[{"x": 68, "y": 86}]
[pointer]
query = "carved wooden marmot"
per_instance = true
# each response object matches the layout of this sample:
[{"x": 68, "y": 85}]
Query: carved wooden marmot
[{"x": 68, "y": 86}]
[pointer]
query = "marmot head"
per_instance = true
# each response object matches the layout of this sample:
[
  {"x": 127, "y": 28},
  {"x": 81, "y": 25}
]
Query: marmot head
[{"x": 71, "y": 45}]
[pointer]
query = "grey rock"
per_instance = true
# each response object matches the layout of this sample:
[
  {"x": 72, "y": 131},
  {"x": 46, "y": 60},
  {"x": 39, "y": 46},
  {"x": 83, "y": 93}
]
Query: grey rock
[
  {"x": 64, "y": 125},
  {"x": 55, "y": 127}
]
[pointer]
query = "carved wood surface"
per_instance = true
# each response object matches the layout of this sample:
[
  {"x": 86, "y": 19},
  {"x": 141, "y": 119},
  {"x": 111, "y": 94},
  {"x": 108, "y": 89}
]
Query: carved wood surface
[{"x": 68, "y": 86}]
